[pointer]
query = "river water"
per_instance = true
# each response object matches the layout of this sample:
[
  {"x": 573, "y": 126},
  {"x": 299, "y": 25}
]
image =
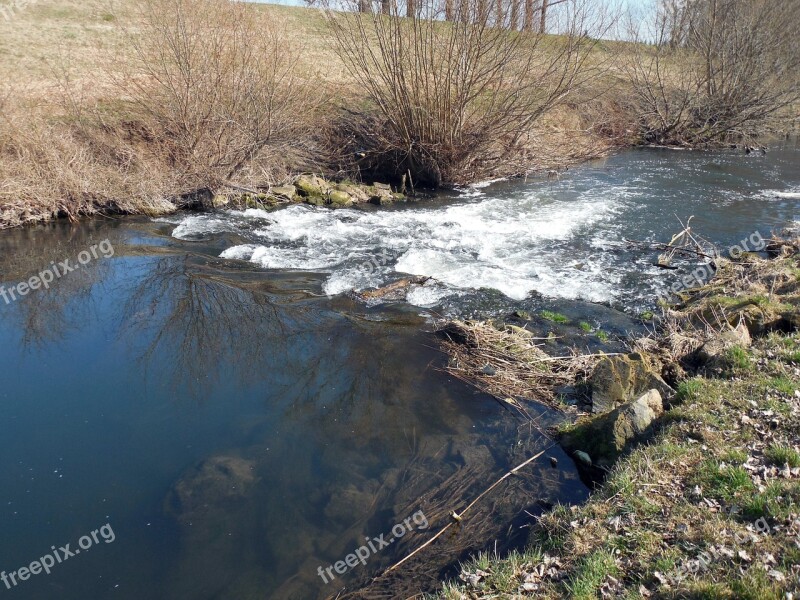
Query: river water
[{"x": 215, "y": 396}]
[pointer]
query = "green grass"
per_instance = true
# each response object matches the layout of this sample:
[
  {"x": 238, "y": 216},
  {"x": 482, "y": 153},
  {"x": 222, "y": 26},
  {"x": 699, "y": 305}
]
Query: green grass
[
  {"x": 689, "y": 390},
  {"x": 591, "y": 574},
  {"x": 602, "y": 335},
  {"x": 723, "y": 482},
  {"x": 586, "y": 327},
  {"x": 780, "y": 454},
  {"x": 783, "y": 384},
  {"x": 554, "y": 316},
  {"x": 739, "y": 358}
]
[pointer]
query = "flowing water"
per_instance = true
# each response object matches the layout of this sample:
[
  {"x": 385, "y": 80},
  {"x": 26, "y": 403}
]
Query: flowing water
[{"x": 214, "y": 394}]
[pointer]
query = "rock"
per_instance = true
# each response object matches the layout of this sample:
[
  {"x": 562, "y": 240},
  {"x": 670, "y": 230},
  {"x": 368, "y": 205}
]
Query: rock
[
  {"x": 619, "y": 379},
  {"x": 606, "y": 436},
  {"x": 212, "y": 486},
  {"x": 583, "y": 457},
  {"x": 284, "y": 192},
  {"x": 350, "y": 504},
  {"x": 476, "y": 457},
  {"x": 380, "y": 194},
  {"x": 713, "y": 353},
  {"x": 394, "y": 291},
  {"x": 340, "y": 199},
  {"x": 310, "y": 186},
  {"x": 356, "y": 192}
]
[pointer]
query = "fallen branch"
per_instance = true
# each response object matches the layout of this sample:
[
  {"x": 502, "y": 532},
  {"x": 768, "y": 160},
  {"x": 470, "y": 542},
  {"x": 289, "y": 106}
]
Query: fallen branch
[{"x": 457, "y": 518}]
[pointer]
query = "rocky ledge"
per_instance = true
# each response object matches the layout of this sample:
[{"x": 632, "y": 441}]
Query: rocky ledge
[{"x": 312, "y": 189}]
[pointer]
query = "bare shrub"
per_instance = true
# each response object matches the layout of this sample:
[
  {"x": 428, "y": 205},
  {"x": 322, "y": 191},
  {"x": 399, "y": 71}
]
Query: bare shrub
[
  {"x": 203, "y": 94},
  {"x": 716, "y": 70},
  {"x": 450, "y": 101},
  {"x": 217, "y": 87}
]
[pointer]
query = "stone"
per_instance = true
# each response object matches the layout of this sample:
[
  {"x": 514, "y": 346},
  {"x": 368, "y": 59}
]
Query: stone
[
  {"x": 713, "y": 353},
  {"x": 605, "y": 437},
  {"x": 356, "y": 192},
  {"x": 619, "y": 379},
  {"x": 286, "y": 192},
  {"x": 210, "y": 487},
  {"x": 340, "y": 199},
  {"x": 583, "y": 457},
  {"x": 310, "y": 185}
]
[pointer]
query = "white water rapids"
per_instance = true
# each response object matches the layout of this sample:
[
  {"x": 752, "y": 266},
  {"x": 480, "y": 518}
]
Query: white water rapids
[{"x": 563, "y": 239}]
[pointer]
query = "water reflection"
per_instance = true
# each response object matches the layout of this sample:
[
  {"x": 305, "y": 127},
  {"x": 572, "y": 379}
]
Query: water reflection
[{"x": 244, "y": 432}]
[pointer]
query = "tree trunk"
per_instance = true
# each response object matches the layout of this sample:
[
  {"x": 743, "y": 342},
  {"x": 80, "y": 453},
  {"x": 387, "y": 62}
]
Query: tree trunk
[
  {"x": 543, "y": 22},
  {"x": 448, "y": 10},
  {"x": 513, "y": 19},
  {"x": 527, "y": 18},
  {"x": 411, "y": 8}
]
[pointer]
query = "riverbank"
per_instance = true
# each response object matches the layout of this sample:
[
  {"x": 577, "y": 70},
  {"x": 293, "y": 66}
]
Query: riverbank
[
  {"x": 704, "y": 501},
  {"x": 85, "y": 131}
]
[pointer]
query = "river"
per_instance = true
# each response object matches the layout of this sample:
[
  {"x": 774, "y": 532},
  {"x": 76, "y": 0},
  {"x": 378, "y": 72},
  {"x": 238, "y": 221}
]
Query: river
[{"x": 206, "y": 386}]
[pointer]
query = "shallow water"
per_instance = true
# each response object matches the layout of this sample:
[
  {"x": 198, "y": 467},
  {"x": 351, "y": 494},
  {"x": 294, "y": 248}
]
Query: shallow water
[{"x": 240, "y": 423}]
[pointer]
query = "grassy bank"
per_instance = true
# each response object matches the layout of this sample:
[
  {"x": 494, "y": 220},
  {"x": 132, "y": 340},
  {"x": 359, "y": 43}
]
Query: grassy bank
[{"x": 708, "y": 504}]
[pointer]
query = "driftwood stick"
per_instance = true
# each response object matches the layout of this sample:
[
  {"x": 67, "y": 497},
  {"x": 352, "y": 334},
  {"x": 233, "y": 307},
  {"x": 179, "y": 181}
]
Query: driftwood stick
[
  {"x": 449, "y": 525},
  {"x": 658, "y": 246}
]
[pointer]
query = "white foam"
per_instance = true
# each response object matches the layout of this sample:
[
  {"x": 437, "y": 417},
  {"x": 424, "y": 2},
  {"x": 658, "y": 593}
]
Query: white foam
[
  {"x": 515, "y": 245},
  {"x": 783, "y": 194}
]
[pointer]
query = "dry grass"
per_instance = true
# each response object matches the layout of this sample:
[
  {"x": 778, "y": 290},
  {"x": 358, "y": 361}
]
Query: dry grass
[
  {"x": 133, "y": 108},
  {"x": 508, "y": 363}
]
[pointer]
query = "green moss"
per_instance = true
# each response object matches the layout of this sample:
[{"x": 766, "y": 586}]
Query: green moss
[
  {"x": 554, "y": 316},
  {"x": 586, "y": 327},
  {"x": 602, "y": 335}
]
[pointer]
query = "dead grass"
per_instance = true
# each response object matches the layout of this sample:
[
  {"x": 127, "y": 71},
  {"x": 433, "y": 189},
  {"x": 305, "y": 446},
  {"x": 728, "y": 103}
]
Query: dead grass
[{"x": 508, "y": 363}]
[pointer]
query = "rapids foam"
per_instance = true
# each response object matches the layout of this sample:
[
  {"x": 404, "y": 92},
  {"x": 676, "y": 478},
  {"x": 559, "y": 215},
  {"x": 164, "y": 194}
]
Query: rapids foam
[{"x": 514, "y": 245}]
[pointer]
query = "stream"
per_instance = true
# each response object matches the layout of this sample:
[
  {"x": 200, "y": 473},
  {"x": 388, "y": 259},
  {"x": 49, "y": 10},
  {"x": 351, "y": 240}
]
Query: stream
[{"x": 208, "y": 388}]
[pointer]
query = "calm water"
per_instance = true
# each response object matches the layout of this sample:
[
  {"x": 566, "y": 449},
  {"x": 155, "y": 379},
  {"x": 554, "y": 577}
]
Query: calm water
[{"x": 213, "y": 394}]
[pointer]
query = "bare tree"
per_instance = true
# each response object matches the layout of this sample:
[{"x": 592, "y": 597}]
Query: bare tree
[
  {"x": 451, "y": 100},
  {"x": 718, "y": 69}
]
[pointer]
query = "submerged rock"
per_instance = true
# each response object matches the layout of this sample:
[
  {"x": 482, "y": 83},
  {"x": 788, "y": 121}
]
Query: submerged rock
[
  {"x": 619, "y": 379},
  {"x": 603, "y": 438},
  {"x": 210, "y": 487},
  {"x": 394, "y": 291}
]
